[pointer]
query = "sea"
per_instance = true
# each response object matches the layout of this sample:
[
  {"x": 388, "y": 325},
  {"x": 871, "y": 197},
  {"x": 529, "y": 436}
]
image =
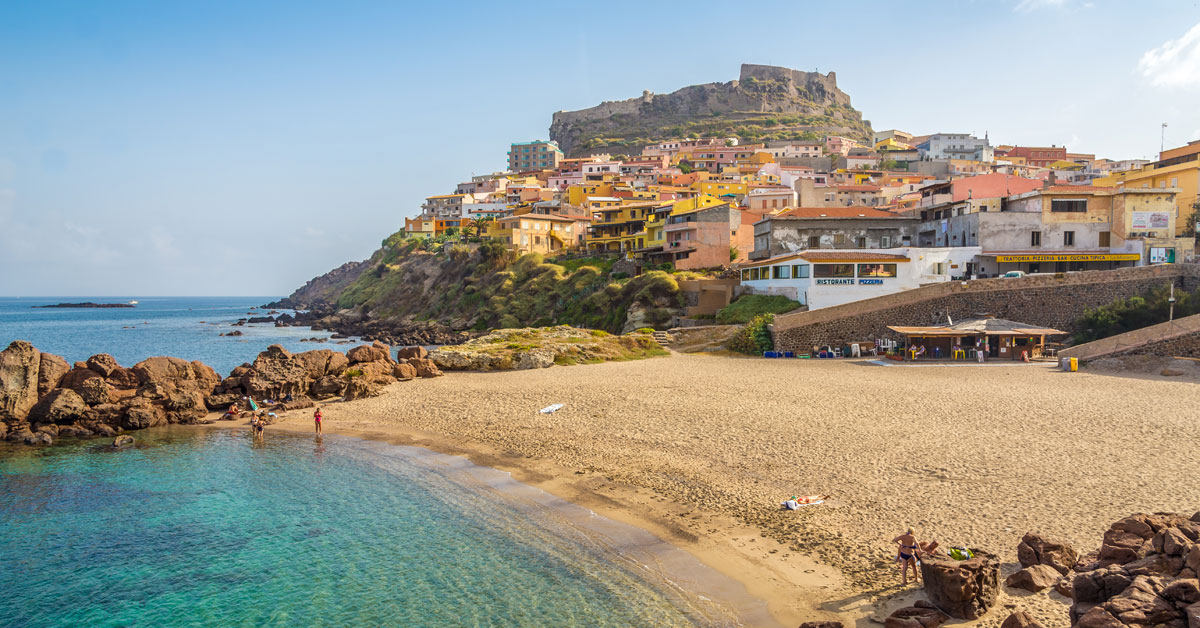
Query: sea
[
  {"x": 211, "y": 526},
  {"x": 183, "y": 327}
]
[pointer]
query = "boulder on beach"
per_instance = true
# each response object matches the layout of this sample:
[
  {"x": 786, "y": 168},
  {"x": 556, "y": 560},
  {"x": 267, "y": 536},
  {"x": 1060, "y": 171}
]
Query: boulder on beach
[
  {"x": 1034, "y": 578},
  {"x": 921, "y": 614},
  {"x": 1035, "y": 549},
  {"x": 51, "y": 369},
  {"x": 102, "y": 363},
  {"x": 359, "y": 388},
  {"x": 376, "y": 352},
  {"x": 1020, "y": 619},
  {"x": 965, "y": 589}
]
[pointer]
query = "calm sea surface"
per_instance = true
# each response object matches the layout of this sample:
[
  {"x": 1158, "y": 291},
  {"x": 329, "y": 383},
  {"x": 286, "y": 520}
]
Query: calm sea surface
[
  {"x": 183, "y": 327},
  {"x": 206, "y": 527}
]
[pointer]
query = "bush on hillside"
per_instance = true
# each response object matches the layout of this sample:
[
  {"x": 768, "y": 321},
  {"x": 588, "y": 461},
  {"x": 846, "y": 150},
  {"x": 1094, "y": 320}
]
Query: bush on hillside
[
  {"x": 754, "y": 338},
  {"x": 751, "y": 305},
  {"x": 1133, "y": 313}
]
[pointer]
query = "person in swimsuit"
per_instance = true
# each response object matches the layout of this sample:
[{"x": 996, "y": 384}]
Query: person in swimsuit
[
  {"x": 317, "y": 419},
  {"x": 257, "y": 425},
  {"x": 906, "y": 555}
]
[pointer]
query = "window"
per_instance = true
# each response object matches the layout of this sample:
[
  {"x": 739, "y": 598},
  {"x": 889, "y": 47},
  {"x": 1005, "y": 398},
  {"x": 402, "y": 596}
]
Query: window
[
  {"x": 779, "y": 272},
  {"x": 1035, "y": 238},
  {"x": 833, "y": 270},
  {"x": 1105, "y": 239},
  {"x": 800, "y": 271},
  {"x": 1068, "y": 238},
  {"x": 885, "y": 242},
  {"x": 839, "y": 238},
  {"x": 1174, "y": 182},
  {"x": 814, "y": 242},
  {"x": 745, "y": 275},
  {"x": 1068, "y": 205},
  {"x": 876, "y": 270}
]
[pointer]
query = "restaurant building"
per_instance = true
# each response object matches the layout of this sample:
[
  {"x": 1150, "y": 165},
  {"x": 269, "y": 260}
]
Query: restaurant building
[{"x": 824, "y": 278}]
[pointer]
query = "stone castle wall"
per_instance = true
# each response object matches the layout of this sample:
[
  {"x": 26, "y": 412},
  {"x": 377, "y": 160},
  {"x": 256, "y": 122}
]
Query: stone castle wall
[{"x": 1051, "y": 301}]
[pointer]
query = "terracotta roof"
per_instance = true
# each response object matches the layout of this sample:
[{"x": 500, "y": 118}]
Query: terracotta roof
[
  {"x": 851, "y": 256},
  {"x": 836, "y": 212}
]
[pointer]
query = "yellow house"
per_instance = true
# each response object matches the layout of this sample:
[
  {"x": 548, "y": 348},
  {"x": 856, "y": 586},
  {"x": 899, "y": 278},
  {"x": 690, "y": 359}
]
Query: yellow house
[
  {"x": 620, "y": 227},
  {"x": 537, "y": 233},
  {"x": 1176, "y": 168},
  {"x": 419, "y": 227},
  {"x": 721, "y": 187},
  {"x": 891, "y": 144}
]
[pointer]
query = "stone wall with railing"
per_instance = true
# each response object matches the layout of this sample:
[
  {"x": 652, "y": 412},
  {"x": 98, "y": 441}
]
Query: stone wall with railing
[{"x": 1055, "y": 301}]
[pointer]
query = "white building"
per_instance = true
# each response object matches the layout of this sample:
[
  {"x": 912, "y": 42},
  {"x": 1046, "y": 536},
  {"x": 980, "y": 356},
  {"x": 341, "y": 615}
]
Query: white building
[
  {"x": 824, "y": 278},
  {"x": 956, "y": 146}
]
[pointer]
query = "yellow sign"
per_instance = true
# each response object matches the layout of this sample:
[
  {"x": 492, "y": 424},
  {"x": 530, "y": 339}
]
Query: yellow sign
[{"x": 1101, "y": 257}]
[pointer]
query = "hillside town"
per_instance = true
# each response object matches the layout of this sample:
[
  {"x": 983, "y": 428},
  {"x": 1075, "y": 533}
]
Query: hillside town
[{"x": 829, "y": 221}]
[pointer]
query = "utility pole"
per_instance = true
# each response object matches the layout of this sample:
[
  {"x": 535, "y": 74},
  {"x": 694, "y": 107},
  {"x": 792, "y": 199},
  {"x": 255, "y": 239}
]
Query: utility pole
[
  {"x": 1171, "y": 303},
  {"x": 1162, "y": 138}
]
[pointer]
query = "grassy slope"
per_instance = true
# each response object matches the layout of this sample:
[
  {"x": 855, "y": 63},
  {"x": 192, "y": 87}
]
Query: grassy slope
[
  {"x": 750, "y": 305},
  {"x": 493, "y": 288}
]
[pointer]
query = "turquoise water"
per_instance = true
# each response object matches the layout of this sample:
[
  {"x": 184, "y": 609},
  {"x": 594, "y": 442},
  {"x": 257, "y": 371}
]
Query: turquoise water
[
  {"x": 183, "y": 327},
  {"x": 198, "y": 527}
]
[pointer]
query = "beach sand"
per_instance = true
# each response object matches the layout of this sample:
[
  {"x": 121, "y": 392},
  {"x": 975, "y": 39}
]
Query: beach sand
[{"x": 700, "y": 449}]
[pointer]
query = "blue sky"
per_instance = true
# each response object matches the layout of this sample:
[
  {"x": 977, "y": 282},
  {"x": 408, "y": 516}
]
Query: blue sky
[{"x": 242, "y": 148}]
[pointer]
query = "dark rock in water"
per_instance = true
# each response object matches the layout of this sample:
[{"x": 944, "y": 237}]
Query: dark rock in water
[
  {"x": 48, "y": 428},
  {"x": 73, "y": 431},
  {"x": 103, "y": 430},
  {"x": 87, "y": 304},
  {"x": 236, "y": 332},
  {"x": 124, "y": 440},
  {"x": 39, "y": 438},
  {"x": 18, "y": 433},
  {"x": 965, "y": 589},
  {"x": 62, "y": 405},
  {"x": 142, "y": 414},
  {"x": 260, "y": 319}
]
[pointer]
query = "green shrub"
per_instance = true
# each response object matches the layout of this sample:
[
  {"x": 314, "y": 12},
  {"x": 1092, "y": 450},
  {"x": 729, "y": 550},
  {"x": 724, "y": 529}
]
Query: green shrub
[
  {"x": 754, "y": 338},
  {"x": 599, "y": 333},
  {"x": 1124, "y": 315},
  {"x": 352, "y": 373},
  {"x": 749, "y": 306},
  {"x": 644, "y": 330}
]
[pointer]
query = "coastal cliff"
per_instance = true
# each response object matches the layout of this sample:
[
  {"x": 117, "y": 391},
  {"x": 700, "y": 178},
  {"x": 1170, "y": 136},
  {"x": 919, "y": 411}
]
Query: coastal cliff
[
  {"x": 405, "y": 295},
  {"x": 765, "y": 103}
]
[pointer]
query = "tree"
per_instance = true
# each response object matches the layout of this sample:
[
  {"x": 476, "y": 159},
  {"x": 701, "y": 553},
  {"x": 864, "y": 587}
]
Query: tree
[
  {"x": 479, "y": 225},
  {"x": 734, "y": 253},
  {"x": 685, "y": 167},
  {"x": 1190, "y": 229}
]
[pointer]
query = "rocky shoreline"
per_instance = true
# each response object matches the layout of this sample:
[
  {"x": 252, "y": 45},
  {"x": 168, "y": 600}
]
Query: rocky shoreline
[
  {"x": 43, "y": 398},
  {"x": 346, "y": 322}
]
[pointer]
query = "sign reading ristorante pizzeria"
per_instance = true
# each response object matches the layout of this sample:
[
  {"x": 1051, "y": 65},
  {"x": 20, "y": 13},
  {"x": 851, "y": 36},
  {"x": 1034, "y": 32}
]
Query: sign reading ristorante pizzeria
[{"x": 1071, "y": 257}]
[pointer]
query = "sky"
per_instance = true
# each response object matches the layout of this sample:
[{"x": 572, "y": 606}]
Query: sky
[{"x": 242, "y": 148}]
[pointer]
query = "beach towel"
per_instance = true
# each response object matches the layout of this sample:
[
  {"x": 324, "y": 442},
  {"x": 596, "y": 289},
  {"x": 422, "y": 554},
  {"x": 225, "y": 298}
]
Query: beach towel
[{"x": 550, "y": 409}]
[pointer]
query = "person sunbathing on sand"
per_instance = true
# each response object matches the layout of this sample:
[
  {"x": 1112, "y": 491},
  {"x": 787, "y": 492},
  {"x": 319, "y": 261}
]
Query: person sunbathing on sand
[
  {"x": 906, "y": 555},
  {"x": 930, "y": 548},
  {"x": 794, "y": 503}
]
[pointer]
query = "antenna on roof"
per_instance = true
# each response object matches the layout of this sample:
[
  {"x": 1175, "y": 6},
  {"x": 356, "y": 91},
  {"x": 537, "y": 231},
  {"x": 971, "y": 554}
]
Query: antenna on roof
[{"x": 949, "y": 320}]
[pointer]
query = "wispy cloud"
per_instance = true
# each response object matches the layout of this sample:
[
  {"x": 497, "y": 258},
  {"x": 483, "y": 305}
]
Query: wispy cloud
[
  {"x": 1176, "y": 63},
  {"x": 1026, "y": 6}
]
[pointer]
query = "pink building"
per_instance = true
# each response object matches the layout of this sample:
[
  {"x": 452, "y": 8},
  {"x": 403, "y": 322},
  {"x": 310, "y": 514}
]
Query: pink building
[{"x": 838, "y": 145}]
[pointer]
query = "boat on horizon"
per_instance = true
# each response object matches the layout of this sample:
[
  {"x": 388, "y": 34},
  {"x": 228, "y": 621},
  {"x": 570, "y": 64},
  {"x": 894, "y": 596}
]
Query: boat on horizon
[{"x": 133, "y": 302}]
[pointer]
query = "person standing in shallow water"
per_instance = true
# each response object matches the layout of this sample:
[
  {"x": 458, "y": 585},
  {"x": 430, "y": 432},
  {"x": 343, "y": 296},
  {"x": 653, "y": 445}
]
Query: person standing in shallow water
[{"x": 317, "y": 420}]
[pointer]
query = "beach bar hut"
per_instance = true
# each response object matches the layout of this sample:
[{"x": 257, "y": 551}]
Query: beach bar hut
[{"x": 1002, "y": 339}]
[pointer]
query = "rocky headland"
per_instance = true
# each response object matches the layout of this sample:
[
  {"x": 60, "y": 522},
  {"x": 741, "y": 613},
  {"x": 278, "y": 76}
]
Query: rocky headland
[
  {"x": 43, "y": 397},
  {"x": 518, "y": 349},
  {"x": 85, "y": 305}
]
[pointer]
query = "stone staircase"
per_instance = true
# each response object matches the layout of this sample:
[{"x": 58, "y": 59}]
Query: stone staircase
[{"x": 663, "y": 338}]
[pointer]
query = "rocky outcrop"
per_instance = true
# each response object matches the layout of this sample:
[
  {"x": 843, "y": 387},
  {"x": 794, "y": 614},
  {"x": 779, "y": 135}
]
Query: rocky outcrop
[
  {"x": 19, "y": 365},
  {"x": 530, "y": 348},
  {"x": 97, "y": 397},
  {"x": 761, "y": 95},
  {"x": 965, "y": 589},
  {"x": 1145, "y": 574}
]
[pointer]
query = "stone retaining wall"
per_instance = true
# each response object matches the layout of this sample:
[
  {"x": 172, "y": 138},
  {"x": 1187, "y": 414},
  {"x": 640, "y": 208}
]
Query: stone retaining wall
[{"x": 1051, "y": 301}]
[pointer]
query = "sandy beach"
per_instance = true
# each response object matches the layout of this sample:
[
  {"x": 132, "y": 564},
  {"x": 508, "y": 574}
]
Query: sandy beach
[{"x": 700, "y": 449}]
